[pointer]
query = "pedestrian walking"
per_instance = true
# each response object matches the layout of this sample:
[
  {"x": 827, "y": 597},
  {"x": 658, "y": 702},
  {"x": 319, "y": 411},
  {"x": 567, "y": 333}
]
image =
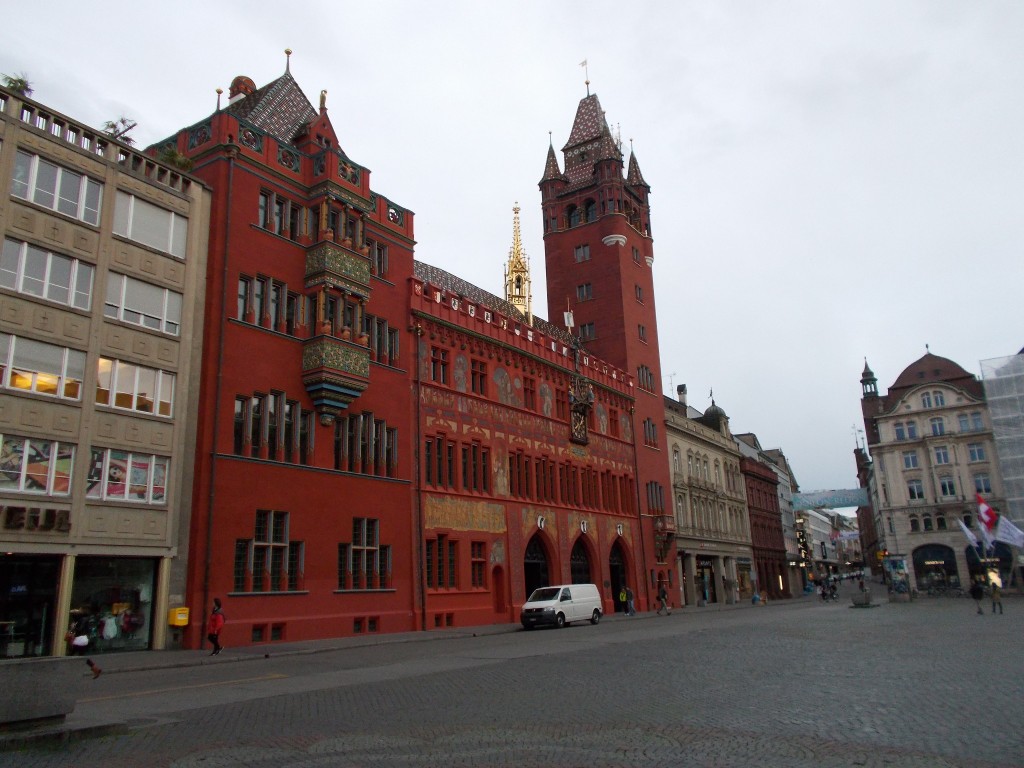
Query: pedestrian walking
[
  {"x": 977, "y": 592},
  {"x": 630, "y": 608},
  {"x": 215, "y": 625},
  {"x": 663, "y": 601},
  {"x": 78, "y": 639},
  {"x": 997, "y": 599}
]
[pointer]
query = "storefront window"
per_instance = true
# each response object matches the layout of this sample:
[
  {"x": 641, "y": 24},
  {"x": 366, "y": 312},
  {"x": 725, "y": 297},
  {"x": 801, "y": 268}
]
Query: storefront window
[
  {"x": 28, "y": 594},
  {"x": 112, "y": 601}
]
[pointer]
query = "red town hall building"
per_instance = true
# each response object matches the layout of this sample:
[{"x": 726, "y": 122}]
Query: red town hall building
[{"x": 383, "y": 447}]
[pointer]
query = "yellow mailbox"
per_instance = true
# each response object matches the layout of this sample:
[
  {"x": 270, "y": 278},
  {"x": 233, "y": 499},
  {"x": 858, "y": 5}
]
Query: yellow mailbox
[{"x": 178, "y": 617}]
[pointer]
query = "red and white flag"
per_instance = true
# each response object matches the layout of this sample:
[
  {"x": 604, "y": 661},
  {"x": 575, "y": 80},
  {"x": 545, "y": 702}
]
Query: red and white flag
[{"x": 986, "y": 515}]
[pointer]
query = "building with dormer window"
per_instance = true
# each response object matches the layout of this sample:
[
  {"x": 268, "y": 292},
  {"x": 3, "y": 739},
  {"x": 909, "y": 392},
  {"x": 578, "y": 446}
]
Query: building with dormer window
[{"x": 932, "y": 453}]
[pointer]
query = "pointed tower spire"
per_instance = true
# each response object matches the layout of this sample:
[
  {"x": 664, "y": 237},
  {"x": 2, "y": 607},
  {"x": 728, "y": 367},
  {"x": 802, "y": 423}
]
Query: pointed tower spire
[
  {"x": 517, "y": 272},
  {"x": 633, "y": 176},
  {"x": 552, "y": 172}
]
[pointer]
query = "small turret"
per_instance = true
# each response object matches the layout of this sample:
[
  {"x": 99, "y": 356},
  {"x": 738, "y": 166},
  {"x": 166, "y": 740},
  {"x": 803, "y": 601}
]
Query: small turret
[{"x": 868, "y": 382}]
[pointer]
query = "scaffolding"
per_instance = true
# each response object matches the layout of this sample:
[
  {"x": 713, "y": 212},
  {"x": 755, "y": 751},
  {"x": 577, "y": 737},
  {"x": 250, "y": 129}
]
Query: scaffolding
[{"x": 1003, "y": 378}]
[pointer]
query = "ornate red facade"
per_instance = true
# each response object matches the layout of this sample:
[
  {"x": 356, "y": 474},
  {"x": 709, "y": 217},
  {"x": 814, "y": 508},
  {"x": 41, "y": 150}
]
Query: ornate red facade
[{"x": 381, "y": 446}]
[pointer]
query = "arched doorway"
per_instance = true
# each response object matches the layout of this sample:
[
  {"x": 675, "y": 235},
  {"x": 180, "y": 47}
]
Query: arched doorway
[
  {"x": 535, "y": 565},
  {"x": 997, "y": 560},
  {"x": 935, "y": 566},
  {"x": 579, "y": 563},
  {"x": 617, "y": 574}
]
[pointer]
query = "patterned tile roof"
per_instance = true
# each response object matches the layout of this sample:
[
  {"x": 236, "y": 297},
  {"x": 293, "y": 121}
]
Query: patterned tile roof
[
  {"x": 280, "y": 108},
  {"x": 589, "y": 123},
  {"x": 589, "y": 142},
  {"x": 551, "y": 169},
  {"x": 633, "y": 176},
  {"x": 449, "y": 282}
]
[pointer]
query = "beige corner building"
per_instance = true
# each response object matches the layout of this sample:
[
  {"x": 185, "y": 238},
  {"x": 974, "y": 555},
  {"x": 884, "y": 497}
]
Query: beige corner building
[
  {"x": 710, "y": 505},
  {"x": 101, "y": 295},
  {"x": 932, "y": 454}
]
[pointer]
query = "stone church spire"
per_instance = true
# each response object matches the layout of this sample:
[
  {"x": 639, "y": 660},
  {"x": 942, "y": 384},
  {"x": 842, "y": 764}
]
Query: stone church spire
[{"x": 517, "y": 272}]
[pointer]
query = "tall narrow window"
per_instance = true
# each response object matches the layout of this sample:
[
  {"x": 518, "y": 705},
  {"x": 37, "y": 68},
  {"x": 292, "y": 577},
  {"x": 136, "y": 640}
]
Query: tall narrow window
[
  {"x": 478, "y": 377},
  {"x": 256, "y": 414},
  {"x": 244, "y": 297},
  {"x": 241, "y": 408},
  {"x": 478, "y": 555},
  {"x": 529, "y": 393},
  {"x": 439, "y": 365},
  {"x": 273, "y": 413}
]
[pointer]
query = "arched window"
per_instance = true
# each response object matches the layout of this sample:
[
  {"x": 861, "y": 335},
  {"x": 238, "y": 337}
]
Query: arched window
[
  {"x": 915, "y": 525},
  {"x": 940, "y": 523},
  {"x": 676, "y": 460},
  {"x": 573, "y": 214},
  {"x": 927, "y": 522},
  {"x": 590, "y": 211},
  {"x": 689, "y": 464}
]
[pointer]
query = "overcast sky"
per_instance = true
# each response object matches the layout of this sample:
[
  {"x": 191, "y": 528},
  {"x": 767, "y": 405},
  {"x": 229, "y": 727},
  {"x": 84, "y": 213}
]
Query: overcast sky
[{"x": 829, "y": 181}]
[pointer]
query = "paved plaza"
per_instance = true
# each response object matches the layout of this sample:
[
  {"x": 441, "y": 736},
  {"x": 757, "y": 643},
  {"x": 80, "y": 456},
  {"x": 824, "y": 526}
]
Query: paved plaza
[{"x": 792, "y": 684}]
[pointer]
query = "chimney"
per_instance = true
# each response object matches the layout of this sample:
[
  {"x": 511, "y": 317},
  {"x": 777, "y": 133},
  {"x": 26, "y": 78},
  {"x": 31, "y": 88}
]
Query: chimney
[{"x": 681, "y": 393}]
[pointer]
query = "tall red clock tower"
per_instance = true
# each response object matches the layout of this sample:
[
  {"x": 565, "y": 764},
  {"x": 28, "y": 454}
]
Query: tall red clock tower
[{"x": 599, "y": 260}]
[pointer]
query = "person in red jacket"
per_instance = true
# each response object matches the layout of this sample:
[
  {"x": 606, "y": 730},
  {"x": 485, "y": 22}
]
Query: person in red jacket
[{"x": 215, "y": 625}]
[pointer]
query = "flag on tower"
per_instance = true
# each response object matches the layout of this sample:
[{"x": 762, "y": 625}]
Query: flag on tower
[
  {"x": 583, "y": 63},
  {"x": 968, "y": 533},
  {"x": 986, "y": 515},
  {"x": 1008, "y": 532}
]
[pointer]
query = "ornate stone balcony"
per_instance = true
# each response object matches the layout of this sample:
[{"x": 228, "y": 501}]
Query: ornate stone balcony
[
  {"x": 333, "y": 265},
  {"x": 335, "y": 372}
]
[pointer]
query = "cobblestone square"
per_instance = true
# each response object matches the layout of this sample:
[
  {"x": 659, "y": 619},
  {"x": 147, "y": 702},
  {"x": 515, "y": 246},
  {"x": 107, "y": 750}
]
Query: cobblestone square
[{"x": 792, "y": 684}]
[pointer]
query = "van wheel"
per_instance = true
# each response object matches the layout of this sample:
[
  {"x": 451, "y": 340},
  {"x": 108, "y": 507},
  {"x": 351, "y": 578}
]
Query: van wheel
[
  {"x": 596, "y": 617},
  {"x": 560, "y": 620}
]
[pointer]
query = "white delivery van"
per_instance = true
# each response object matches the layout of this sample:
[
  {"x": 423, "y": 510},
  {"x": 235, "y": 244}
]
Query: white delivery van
[{"x": 562, "y": 605}]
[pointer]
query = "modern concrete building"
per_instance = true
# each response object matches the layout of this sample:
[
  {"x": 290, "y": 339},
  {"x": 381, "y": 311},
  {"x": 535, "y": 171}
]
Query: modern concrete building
[
  {"x": 932, "y": 449},
  {"x": 715, "y": 561},
  {"x": 101, "y": 287}
]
